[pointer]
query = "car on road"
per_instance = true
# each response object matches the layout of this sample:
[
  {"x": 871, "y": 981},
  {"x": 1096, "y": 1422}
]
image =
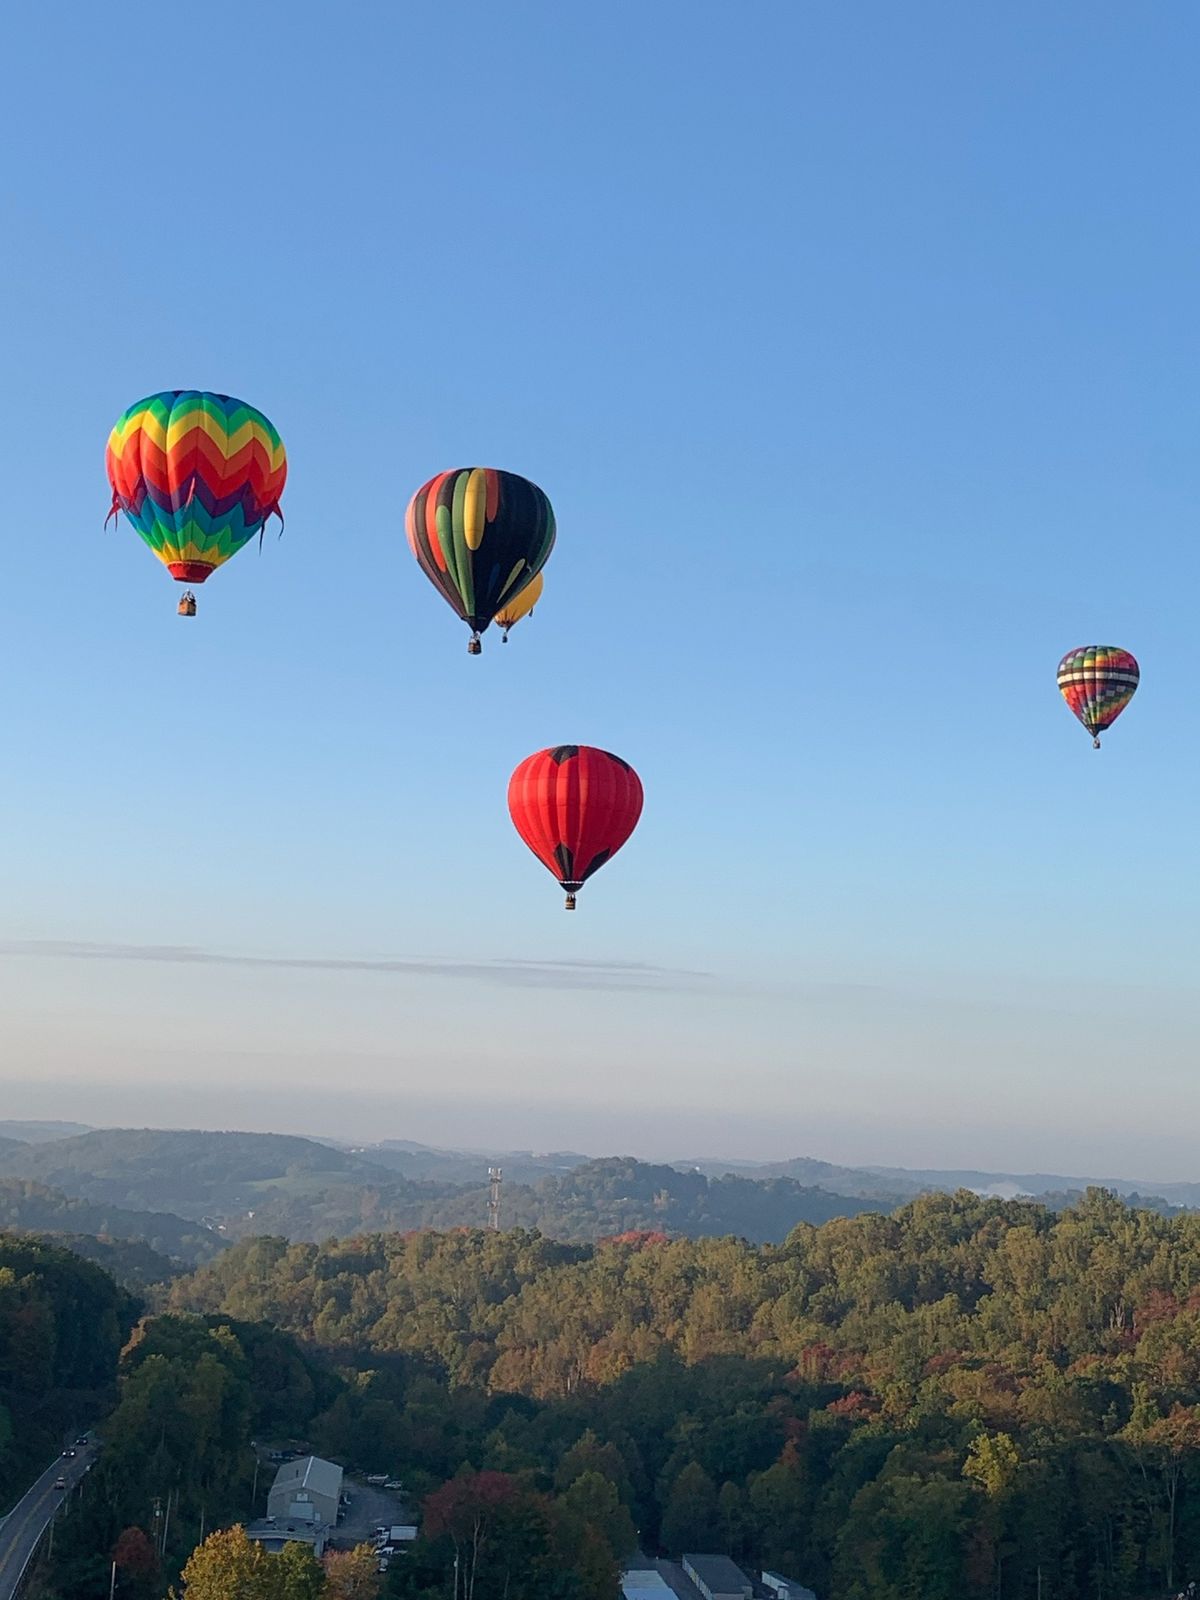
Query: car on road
[
  {"x": 82, "y": 1440},
  {"x": 393, "y": 1483},
  {"x": 69, "y": 1453},
  {"x": 60, "y": 1483}
]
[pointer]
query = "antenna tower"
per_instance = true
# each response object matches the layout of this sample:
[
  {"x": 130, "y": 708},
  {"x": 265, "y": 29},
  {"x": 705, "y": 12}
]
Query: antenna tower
[{"x": 495, "y": 1179}]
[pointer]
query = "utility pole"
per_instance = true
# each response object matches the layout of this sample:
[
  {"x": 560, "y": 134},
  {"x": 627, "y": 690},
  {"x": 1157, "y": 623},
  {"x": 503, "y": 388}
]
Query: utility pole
[
  {"x": 112, "y": 1587},
  {"x": 495, "y": 1179}
]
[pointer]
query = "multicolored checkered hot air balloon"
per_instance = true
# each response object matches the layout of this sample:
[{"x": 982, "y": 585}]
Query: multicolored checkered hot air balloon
[
  {"x": 198, "y": 475},
  {"x": 479, "y": 536},
  {"x": 1098, "y": 681},
  {"x": 574, "y": 806}
]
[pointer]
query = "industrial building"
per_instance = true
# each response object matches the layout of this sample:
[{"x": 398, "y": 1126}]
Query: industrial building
[
  {"x": 302, "y": 1506},
  {"x": 718, "y": 1578},
  {"x": 306, "y": 1491},
  {"x": 644, "y": 1583},
  {"x": 703, "y": 1577},
  {"x": 781, "y": 1588},
  {"x": 273, "y": 1536}
]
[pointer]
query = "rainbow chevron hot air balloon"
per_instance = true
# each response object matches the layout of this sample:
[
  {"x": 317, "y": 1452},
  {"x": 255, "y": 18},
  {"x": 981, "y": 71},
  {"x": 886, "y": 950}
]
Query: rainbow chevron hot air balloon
[
  {"x": 198, "y": 475},
  {"x": 1098, "y": 681}
]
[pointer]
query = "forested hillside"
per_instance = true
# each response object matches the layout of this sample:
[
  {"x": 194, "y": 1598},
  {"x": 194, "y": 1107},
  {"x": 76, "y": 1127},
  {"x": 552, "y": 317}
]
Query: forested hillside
[
  {"x": 193, "y": 1393},
  {"x": 62, "y": 1325},
  {"x": 190, "y": 1173},
  {"x": 964, "y": 1400},
  {"x": 249, "y": 1184},
  {"x": 29, "y": 1207}
]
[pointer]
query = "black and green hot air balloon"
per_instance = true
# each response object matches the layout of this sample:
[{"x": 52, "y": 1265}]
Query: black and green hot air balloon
[{"x": 480, "y": 536}]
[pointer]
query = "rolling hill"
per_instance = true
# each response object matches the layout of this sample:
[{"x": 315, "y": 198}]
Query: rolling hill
[
  {"x": 192, "y": 1173},
  {"x": 30, "y": 1207},
  {"x": 41, "y": 1132}
]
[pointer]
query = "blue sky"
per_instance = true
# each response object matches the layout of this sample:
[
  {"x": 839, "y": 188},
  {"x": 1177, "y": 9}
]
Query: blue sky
[{"x": 856, "y": 348}]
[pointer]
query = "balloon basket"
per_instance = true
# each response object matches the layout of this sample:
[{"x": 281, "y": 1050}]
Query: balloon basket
[
  {"x": 186, "y": 606},
  {"x": 475, "y": 648},
  {"x": 1095, "y": 744},
  {"x": 570, "y": 902}
]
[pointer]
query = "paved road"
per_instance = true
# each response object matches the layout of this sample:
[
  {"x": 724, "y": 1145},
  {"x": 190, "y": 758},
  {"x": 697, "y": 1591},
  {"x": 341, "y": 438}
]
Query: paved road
[{"x": 30, "y": 1517}]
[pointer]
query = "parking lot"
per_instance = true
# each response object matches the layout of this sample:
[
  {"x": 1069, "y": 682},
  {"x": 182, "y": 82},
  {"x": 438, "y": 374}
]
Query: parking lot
[{"x": 369, "y": 1508}]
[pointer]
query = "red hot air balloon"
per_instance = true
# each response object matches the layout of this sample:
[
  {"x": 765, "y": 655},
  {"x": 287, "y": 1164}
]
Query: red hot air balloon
[{"x": 574, "y": 806}]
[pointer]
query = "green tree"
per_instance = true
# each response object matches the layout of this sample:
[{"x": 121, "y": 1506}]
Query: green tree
[
  {"x": 779, "y": 1511},
  {"x": 690, "y": 1513},
  {"x": 735, "y": 1520},
  {"x": 587, "y": 1454},
  {"x": 297, "y": 1574},
  {"x": 992, "y": 1462},
  {"x": 594, "y": 1499}
]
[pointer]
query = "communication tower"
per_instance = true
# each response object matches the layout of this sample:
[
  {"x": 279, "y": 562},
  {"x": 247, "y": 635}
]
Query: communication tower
[{"x": 495, "y": 1179}]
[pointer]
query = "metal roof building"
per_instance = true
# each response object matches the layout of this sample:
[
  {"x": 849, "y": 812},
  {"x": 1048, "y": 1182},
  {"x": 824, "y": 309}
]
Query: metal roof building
[
  {"x": 717, "y": 1577},
  {"x": 645, "y": 1584},
  {"x": 307, "y": 1490},
  {"x": 785, "y": 1588},
  {"x": 274, "y": 1536}
]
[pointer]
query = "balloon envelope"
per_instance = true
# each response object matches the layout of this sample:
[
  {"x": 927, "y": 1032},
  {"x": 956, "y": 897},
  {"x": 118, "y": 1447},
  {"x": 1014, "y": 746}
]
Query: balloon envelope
[
  {"x": 574, "y": 806},
  {"x": 197, "y": 475},
  {"x": 1098, "y": 681},
  {"x": 521, "y": 604},
  {"x": 479, "y": 535}
]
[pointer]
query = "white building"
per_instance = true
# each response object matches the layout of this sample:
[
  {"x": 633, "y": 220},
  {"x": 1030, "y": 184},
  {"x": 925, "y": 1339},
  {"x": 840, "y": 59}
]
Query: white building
[
  {"x": 785, "y": 1588},
  {"x": 645, "y": 1584},
  {"x": 305, "y": 1491}
]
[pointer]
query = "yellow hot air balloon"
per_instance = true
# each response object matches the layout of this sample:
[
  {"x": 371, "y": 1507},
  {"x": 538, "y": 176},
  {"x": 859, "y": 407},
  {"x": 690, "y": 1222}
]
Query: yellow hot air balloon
[{"x": 521, "y": 605}]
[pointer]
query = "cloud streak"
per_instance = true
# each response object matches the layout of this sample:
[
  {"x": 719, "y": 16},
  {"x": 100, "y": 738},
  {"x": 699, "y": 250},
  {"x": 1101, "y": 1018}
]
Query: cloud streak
[{"x": 611, "y": 975}]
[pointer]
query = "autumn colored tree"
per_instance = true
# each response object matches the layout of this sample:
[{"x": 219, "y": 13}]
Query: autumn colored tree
[
  {"x": 137, "y": 1563},
  {"x": 229, "y": 1566},
  {"x": 466, "y": 1510},
  {"x": 352, "y": 1574}
]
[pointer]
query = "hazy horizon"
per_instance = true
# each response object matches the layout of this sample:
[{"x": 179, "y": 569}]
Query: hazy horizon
[{"x": 502, "y": 1127}]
